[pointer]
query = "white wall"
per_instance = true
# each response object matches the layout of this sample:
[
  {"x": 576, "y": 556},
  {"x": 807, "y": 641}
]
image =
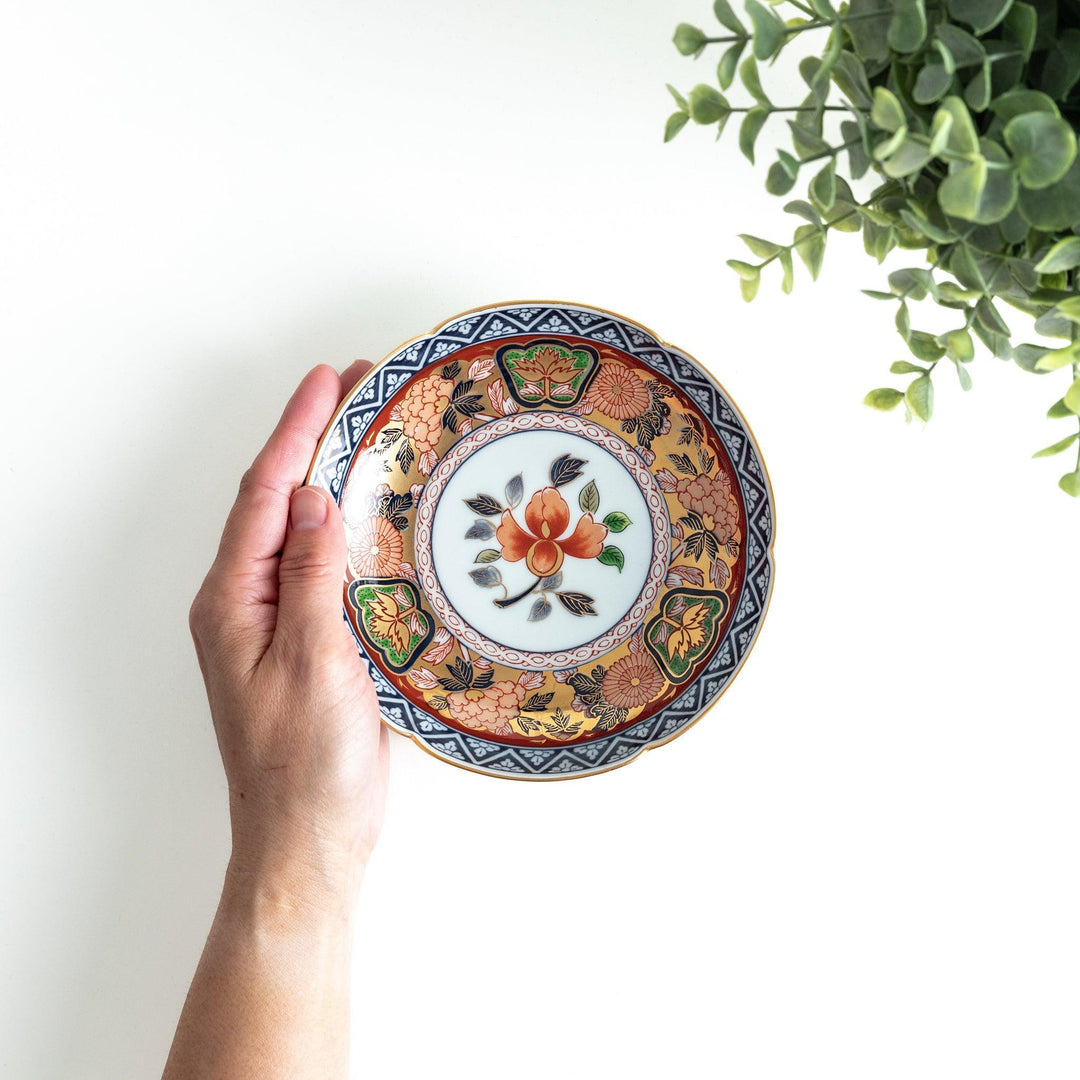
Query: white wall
[{"x": 861, "y": 864}]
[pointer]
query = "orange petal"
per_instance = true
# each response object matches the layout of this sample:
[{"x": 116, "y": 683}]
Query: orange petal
[
  {"x": 587, "y": 540},
  {"x": 512, "y": 538},
  {"x": 547, "y": 507},
  {"x": 544, "y": 558}
]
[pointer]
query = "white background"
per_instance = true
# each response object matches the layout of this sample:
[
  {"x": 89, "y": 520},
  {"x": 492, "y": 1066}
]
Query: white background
[{"x": 861, "y": 864}]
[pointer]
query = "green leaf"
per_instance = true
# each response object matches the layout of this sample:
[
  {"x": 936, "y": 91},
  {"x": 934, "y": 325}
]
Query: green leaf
[
  {"x": 1055, "y": 208},
  {"x": 987, "y": 316},
  {"x": 932, "y": 83},
  {"x": 962, "y": 136},
  {"x": 779, "y": 180},
  {"x": 980, "y": 15},
  {"x": 689, "y": 40},
  {"x": 884, "y": 399},
  {"x": 751, "y": 80},
  {"x": 1017, "y": 102},
  {"x": 961, "y": 191},
  {"x": 679, "y": 99},
  {"x": 940, "y": 129},
  {"x": 617, "y": 521},
  {"x": 1059, "y": 411},
  {"x": 907, "y": 159},
  {"x": 1061, "y": 66},
  {"x": 907, "y": 28},
  {"x": 962, "y": 374},
  {"x": 1070, "y": 308},
  {"x": 488, "y": 555},
  {"x": 763, "y": 249},
  {"x": 1070, "y": 483},
  {"x": 977, "y": 92},
  {"x": 869, "y": 36},
  {"x": 788, "y": 281},
  {"x": 589, "y": 498},
  {"x": 675, "y": 123},
  {"x": 807, "y": 142},
  {"x": 708, "y": 105},
  {"x": 887, "y": 147},
  {"x": 612, "y": 556},
  {"x": 924, "y": 346},
  {"x": 823, "y": 186},
  {"x": 887, "y": 112},
  {"x": 1043, "y": 147},
  {"x": 728, "y": 64},
  {"x": 903, "y": 327},
  {"x": 1059, "y": 358},
  {"x": 931, "y": 231},
  {"x": 803, "y": 209},
  {"x": 1072, "y": 397},
  {"x": 920, "y": 397},
  {"x": 962, "y": 49},
  {"x": 1021, "y": 27},
  {"x": 769, "y": 30},
  {"x": 849, "y": 74},
  {"x": 726, "y": 17},
  {"x": 1028, "y": 356},
  {"x": 959, "y": 345},
  {"x": 749, "y": 130},
  {"x": 902, "y": 367},
  {"x": 810, "y": 245},
  {"x": 1064, "y": 255}
]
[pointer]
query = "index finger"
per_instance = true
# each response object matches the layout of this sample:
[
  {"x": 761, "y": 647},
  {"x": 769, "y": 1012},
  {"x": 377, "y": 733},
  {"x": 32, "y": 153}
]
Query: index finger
[{"x": 255, "y": 529}]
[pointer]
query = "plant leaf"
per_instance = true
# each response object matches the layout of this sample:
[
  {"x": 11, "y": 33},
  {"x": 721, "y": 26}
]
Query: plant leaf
[
  {"x": 920, "y": 397},
  {"x": 1043, "y": 147},
  {"x": 616, "y": 521},
  {"x": 884, "y": 399},
  {"x": 488, "y": 555},
  {"x": 612, "y": 556},
  {"x": 749, "y": 130},
  {"x": 589, "y": 497},
  {"x": 769, "y": 30},
  {"x": 1058, "y": 447}
]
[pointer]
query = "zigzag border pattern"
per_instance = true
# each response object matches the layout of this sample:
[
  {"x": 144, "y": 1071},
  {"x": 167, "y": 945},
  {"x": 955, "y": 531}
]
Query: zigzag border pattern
[{"x": 600, "y": 754}]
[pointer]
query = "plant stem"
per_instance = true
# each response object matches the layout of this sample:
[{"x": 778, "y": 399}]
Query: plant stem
[
  {"x": 507, "y": 601},
  {"x": 819, "y": 24}
]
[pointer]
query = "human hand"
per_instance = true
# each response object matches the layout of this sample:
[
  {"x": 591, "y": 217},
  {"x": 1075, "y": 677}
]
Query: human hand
[{"x": 295, "y": 711}]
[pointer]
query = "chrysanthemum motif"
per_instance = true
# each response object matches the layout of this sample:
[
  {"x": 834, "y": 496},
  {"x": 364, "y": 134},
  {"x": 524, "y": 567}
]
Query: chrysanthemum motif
[
  {"x": 375, "y": 549},
  {"x": 421, "y": 411},
  {"x": 490, "y": 709},
  {"x": 619, "y": 393},
  {"x": 632, "y": 681}
]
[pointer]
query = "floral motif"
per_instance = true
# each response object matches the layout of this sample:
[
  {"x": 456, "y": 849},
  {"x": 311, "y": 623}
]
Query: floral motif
[
  {"x": 546, "y": 538},
  {"x": 619, "y": 393},
  {"x": 682, "y": 634},
  {"x": 391, "y": 620},
  {"x": 375, "y": 549},
  {"x": 632, "y": 681},
  {"x": 422, "y": 409},
  {"x": 541, "y": 543},
  {"x": 547, "y": 371}
]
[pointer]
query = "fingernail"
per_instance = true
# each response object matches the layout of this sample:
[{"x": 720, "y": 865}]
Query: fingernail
[{"x": 307, "y": 510}]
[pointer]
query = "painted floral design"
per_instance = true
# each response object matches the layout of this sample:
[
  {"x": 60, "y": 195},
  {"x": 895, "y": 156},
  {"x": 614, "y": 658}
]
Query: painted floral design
[
  {"x": 375, "y": 549},
  {"x": 430, "y": 405},
  {"x": 619, "y": 393},
  {"x": 685, "y": 629},
  {"x": 391, "y": 620},
  {"x": 546, "y": 538},
  {"x": 477, "y": 701},
  {"x": 712, "y": 520},
  {"x": 547, "y": 372},
  {"x": 632, "y": 681},
  {"x": 608, "y": 694},
  {"x": 542, "y": 543}
]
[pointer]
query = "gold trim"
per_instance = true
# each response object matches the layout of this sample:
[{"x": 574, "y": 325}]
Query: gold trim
[{"x": 771, "y": 554}]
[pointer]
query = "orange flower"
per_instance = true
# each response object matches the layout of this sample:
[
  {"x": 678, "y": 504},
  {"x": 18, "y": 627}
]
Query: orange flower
[
  {"x": 634, "y": 680},
  {"x": 619, "y": 393},
  {"x": 376, "y": 549},
  {"x": 711, "y": 497},
  {"x": 546, "y": 519},
  {"x": 490, "y": 709},
  {"x": 422, "y": 408}
]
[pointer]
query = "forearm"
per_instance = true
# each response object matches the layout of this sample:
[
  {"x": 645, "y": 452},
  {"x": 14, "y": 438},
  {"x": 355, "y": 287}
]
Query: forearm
[{"x": 270, "y": 997}]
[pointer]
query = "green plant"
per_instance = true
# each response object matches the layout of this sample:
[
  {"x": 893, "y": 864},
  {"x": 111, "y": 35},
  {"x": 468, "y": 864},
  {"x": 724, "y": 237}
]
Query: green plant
[{"x": 964, "y": 113}]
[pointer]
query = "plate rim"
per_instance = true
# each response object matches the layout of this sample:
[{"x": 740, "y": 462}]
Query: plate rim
[{"x": 770, "y": 548}]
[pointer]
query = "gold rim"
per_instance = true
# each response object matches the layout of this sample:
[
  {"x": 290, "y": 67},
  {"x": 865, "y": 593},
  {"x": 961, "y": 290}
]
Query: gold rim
[{"x": 770, "y": 554}]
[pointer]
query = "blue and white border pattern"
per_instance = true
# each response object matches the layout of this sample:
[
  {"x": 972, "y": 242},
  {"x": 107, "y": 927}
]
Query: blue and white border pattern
[{"x": 598, "y": 755}]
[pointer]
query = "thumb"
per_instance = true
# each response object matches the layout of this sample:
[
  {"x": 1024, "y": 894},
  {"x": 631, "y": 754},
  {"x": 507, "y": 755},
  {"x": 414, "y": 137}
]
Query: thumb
[{"x": 312, "y": 571}]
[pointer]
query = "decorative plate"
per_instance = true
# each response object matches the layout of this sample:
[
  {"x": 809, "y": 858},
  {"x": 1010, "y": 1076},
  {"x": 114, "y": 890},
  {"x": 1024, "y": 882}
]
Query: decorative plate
[{"x": 559, "y": 533}]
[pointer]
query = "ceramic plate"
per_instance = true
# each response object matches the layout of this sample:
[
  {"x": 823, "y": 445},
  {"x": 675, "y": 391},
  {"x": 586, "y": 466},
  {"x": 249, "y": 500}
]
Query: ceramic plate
[{"x": 559, "y": 533}]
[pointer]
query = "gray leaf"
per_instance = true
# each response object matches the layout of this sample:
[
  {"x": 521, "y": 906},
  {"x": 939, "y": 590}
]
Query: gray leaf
[
  {"x": 487, "y": 577},
  {"x": 589, "y": 498},
  {"x": 480, "y": 530},
  {"x": 515, "y": 488},
  {"x": 540, "y": 610},
  {"x": 552, "y": 582}
]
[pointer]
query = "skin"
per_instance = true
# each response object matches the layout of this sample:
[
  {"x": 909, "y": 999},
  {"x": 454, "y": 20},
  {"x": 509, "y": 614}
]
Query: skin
[{"x": 306, "y": 758}]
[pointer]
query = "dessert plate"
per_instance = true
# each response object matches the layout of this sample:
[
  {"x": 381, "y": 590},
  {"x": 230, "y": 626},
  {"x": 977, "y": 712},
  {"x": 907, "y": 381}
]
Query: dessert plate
[{"x": 559, "y": 532}]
